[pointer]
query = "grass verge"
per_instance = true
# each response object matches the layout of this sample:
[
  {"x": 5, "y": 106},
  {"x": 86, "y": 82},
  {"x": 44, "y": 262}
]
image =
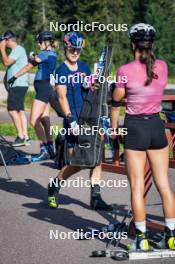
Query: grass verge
[{"x": 7, "y": 129}]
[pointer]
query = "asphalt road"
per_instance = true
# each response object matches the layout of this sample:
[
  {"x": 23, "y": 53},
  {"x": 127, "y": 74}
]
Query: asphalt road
[{"x": 26, "y": 220}]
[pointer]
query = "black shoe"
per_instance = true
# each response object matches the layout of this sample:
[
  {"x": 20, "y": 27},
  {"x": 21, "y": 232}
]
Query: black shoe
[
  {"x": 97, "y": 202},
  {"x": 18, "y": 142}
]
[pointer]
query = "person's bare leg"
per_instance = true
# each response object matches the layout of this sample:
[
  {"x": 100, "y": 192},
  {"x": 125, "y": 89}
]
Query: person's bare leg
[
  {"x": 159, "y": 161},
  {"x": 69, "y": 170},
  {"x": 96, "y": 201},
  {"x": 63, "y": 174},
  {"x": 15, "y": 116},
  {"x": 55, "y": 186},
  {"x": 38, "y": 108},
  {"x": 135, "y": 163},
  {"x": 45, "y": 120},
  {"x": 95, "y": 175},
  {"x": 24, "y": 124}
]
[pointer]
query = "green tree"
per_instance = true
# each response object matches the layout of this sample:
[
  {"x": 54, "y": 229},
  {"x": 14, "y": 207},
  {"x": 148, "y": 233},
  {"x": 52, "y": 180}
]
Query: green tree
[
  {"x": 27, "y": 18},
  {"x": 107, "y": 12},
  {"x": 160, "y": 13}
]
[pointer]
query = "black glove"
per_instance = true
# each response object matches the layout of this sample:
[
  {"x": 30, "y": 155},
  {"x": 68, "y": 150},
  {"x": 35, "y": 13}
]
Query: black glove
[
  {"x": 11, "y": 81},
  {"x": 70, "y": 119},
  {"x": 33, "y": 62}
]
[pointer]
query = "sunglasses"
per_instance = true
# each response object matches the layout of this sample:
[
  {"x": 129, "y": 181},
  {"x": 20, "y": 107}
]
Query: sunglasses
[{"x": 73, "y": 50}]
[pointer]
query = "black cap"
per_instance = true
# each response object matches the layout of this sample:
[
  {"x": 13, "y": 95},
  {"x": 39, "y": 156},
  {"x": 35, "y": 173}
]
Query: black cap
[{"x": 8, "y": 34}]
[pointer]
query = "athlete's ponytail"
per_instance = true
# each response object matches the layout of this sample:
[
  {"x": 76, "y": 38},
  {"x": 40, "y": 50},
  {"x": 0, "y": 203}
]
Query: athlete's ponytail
[
  {"x": 52, "y": 43},
  {"x": 147, "y": 57}
]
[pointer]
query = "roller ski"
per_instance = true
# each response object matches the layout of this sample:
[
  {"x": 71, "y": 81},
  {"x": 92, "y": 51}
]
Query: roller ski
[
  {"x": 140, "y": 248},
  {"x": 164, "y": 249},
  {"x": 115, "y": 229}
]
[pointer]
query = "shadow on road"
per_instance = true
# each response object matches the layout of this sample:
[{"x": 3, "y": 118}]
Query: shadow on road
[
  {"x": 49, "y": 164},
  {"x": 62, "y": 217}
]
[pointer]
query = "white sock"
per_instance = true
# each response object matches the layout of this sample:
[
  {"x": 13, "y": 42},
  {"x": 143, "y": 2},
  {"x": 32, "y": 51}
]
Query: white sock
[
  {"x": 141, "y": 225},
  {"x": 170, "y": 223}
]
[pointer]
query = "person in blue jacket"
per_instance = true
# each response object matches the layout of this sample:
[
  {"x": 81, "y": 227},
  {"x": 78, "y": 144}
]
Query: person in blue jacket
[
  {"x": 46, "y": 62},
  {"x": 71, "y": 95}
]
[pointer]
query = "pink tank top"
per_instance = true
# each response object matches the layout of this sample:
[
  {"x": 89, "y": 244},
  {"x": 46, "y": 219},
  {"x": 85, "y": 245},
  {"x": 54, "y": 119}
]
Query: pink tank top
[{"x": 142, "y": 99}]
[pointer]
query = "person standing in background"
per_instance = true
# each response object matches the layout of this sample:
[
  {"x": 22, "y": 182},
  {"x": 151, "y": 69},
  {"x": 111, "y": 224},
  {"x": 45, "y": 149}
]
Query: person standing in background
[
  {"x": 16, "y": 60},
  {"x": 40, "y": 113}
]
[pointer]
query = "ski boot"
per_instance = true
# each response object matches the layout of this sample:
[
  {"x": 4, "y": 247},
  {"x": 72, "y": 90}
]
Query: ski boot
[
  {"x": 169, "y": 238},
  {"x": 96, "y": 202},
  {"x": 52, "y": 192},
  {"x": 52, "y": 202},
  {"x": 140, "y": 243}
]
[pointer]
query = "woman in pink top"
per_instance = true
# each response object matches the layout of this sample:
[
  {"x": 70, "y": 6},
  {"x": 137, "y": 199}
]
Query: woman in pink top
[{"x": 146, "y": 79}]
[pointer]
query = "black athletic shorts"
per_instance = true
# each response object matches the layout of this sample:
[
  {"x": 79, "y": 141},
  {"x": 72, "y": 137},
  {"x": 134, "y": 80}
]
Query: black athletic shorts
[
  {"x": 144, "y": 132},
  {"x": 43, "y": 90},
  {"x": 16, "y": 96}
]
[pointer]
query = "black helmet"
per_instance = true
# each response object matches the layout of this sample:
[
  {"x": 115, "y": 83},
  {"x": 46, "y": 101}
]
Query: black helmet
[
  {"x": 8, "y": 34},
  {"x": 142, "y": 32},
  {"x": 45, "y": 35}
]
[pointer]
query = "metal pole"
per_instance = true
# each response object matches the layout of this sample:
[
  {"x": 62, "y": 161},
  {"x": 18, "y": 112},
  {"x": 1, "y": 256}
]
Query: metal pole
[{"x": 5, "y": 166}]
